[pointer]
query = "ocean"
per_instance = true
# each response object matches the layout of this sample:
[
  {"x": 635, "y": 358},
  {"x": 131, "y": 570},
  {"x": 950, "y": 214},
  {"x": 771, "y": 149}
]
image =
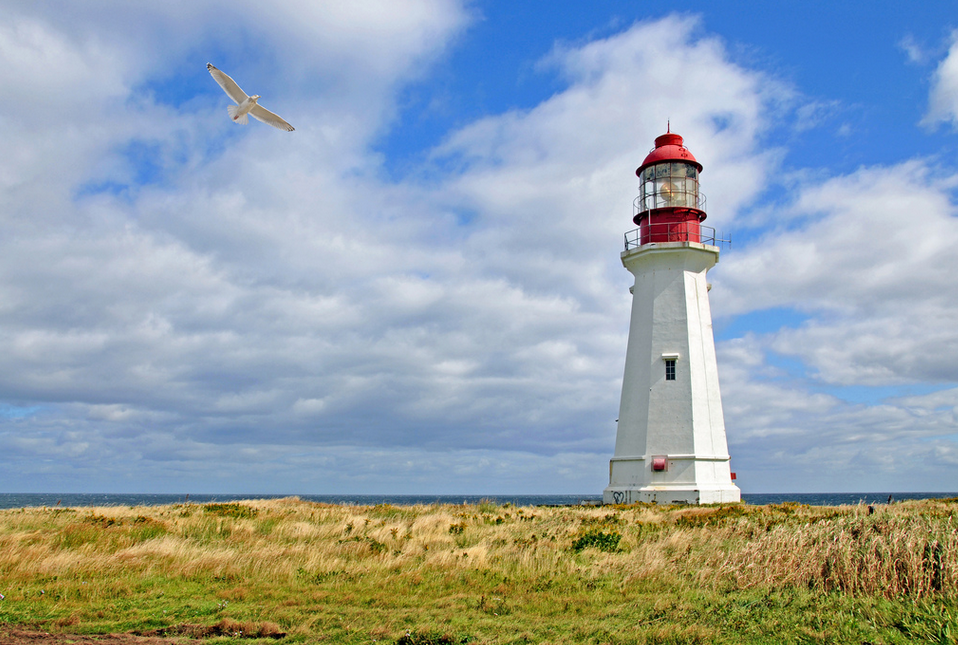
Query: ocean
[{"x": 23, "y": 500}]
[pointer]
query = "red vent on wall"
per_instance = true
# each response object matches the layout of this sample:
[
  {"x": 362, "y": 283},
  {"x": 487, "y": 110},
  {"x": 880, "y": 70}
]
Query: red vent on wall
[
  {"x": 660, "y": 463},
  {"x": 733, "y": 476}
]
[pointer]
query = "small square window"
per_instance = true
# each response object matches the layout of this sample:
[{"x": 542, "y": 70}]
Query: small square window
[{"x": 670, "y": 369}]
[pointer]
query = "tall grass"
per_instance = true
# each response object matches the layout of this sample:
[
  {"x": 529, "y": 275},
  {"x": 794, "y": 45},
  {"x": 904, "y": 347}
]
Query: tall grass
[
  {"x": 887, "y": 554},
  {"x": 486, "y": 572}
]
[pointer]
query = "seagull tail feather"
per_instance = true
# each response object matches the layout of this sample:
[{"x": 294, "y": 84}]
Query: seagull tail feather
[{"x": 241, "y": 118}]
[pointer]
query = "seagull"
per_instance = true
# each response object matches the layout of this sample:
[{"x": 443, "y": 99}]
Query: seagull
[{"x": 246, "y": 104}]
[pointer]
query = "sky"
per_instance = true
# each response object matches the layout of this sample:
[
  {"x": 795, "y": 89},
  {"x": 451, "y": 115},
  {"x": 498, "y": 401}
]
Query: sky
[{"x": 419, "y": 290}]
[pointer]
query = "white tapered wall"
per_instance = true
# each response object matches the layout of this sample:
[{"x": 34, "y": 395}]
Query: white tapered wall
[{"x": 679, "y": 420}]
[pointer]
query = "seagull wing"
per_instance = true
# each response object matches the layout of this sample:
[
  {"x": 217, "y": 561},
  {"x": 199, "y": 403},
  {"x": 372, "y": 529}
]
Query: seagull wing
[
  {"x": 262, "y": 114},
  {"x": 229, "y": 85}
]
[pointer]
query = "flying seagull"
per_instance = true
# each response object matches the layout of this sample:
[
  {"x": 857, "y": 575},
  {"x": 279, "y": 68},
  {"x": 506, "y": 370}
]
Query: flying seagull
[{"x": 246, "y": 104}]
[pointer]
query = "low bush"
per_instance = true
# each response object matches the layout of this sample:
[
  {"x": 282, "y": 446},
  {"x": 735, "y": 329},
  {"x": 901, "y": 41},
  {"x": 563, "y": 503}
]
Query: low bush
[{"x": 596, "y": 539}]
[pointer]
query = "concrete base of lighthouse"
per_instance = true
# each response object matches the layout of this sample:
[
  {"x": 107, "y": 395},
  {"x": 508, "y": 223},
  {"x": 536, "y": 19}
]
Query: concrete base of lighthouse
[
  {"x": 670, "y": 445},
  {"x": 653, "y": 495},
  {"x": 686, "y": 479}
]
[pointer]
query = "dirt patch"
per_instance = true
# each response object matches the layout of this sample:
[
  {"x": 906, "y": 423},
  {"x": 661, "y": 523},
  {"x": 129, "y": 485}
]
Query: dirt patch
[
  {"x": 22, "y": 637},
  {"x": 174, "y": 635}
]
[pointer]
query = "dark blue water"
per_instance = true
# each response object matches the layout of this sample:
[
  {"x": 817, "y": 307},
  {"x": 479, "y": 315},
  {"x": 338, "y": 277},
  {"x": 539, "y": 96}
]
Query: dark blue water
[{"x": 22, "y": 500}]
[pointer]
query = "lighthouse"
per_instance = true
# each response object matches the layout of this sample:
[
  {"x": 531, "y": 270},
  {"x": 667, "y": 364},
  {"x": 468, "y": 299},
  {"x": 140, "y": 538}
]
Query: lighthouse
[{"x": 670, "y": 445}]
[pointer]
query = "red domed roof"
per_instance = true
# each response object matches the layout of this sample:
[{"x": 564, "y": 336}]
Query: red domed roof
[{"x": 668, "y": 147}]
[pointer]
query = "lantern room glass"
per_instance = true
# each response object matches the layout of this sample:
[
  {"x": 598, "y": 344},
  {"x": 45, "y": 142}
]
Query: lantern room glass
[{"x": 669, "y": 184}]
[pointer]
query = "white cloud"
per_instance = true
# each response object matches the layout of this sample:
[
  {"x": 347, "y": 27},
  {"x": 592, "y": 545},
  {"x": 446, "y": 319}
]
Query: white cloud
[
  {"x": 786, "y": 437},
  {"x": 279, "y": 293},
  {"x": 870, "y": 257},
  {"x": 943, "y": 97},
  {"x": 867, "y": 260}
]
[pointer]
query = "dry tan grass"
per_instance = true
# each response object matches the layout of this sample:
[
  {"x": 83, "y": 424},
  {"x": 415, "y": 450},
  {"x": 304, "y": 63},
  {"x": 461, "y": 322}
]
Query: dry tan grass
[{"x": 885, "y": 554}]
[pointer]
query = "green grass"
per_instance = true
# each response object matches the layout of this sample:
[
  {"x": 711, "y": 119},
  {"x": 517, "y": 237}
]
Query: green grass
[{"x": 486, "y": 573}]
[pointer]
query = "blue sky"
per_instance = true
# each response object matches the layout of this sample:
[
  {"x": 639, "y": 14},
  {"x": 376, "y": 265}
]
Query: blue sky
[{"x": 419, "y": 290}]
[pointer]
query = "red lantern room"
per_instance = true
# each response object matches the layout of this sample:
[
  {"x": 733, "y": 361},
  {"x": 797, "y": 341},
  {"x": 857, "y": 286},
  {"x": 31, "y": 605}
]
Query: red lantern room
[{"x": 669, "y": 207}]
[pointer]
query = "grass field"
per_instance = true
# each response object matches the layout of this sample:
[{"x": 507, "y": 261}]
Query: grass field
[{"x": 290, "y": 571}]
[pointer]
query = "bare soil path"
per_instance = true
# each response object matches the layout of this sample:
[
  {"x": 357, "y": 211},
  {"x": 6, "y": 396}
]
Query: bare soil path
[{"x": 23, "y": 637}]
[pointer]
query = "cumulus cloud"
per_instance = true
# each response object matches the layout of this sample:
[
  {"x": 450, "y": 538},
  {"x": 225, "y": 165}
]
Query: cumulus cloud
[
  {"x": 943, "y": 97},
  {"x": 786, "y": 435},
  {"x": 870, "y": 257},
  {"x": 278, "y": 292},
  {"x": 865, "y": 261}
]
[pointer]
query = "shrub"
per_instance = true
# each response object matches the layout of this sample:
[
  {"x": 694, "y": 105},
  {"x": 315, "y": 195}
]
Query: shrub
[{"x": 608, "y": 542}]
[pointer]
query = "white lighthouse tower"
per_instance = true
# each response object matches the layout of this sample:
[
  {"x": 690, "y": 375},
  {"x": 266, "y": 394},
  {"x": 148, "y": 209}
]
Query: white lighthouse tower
[{"x": 670, "y": 446}]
